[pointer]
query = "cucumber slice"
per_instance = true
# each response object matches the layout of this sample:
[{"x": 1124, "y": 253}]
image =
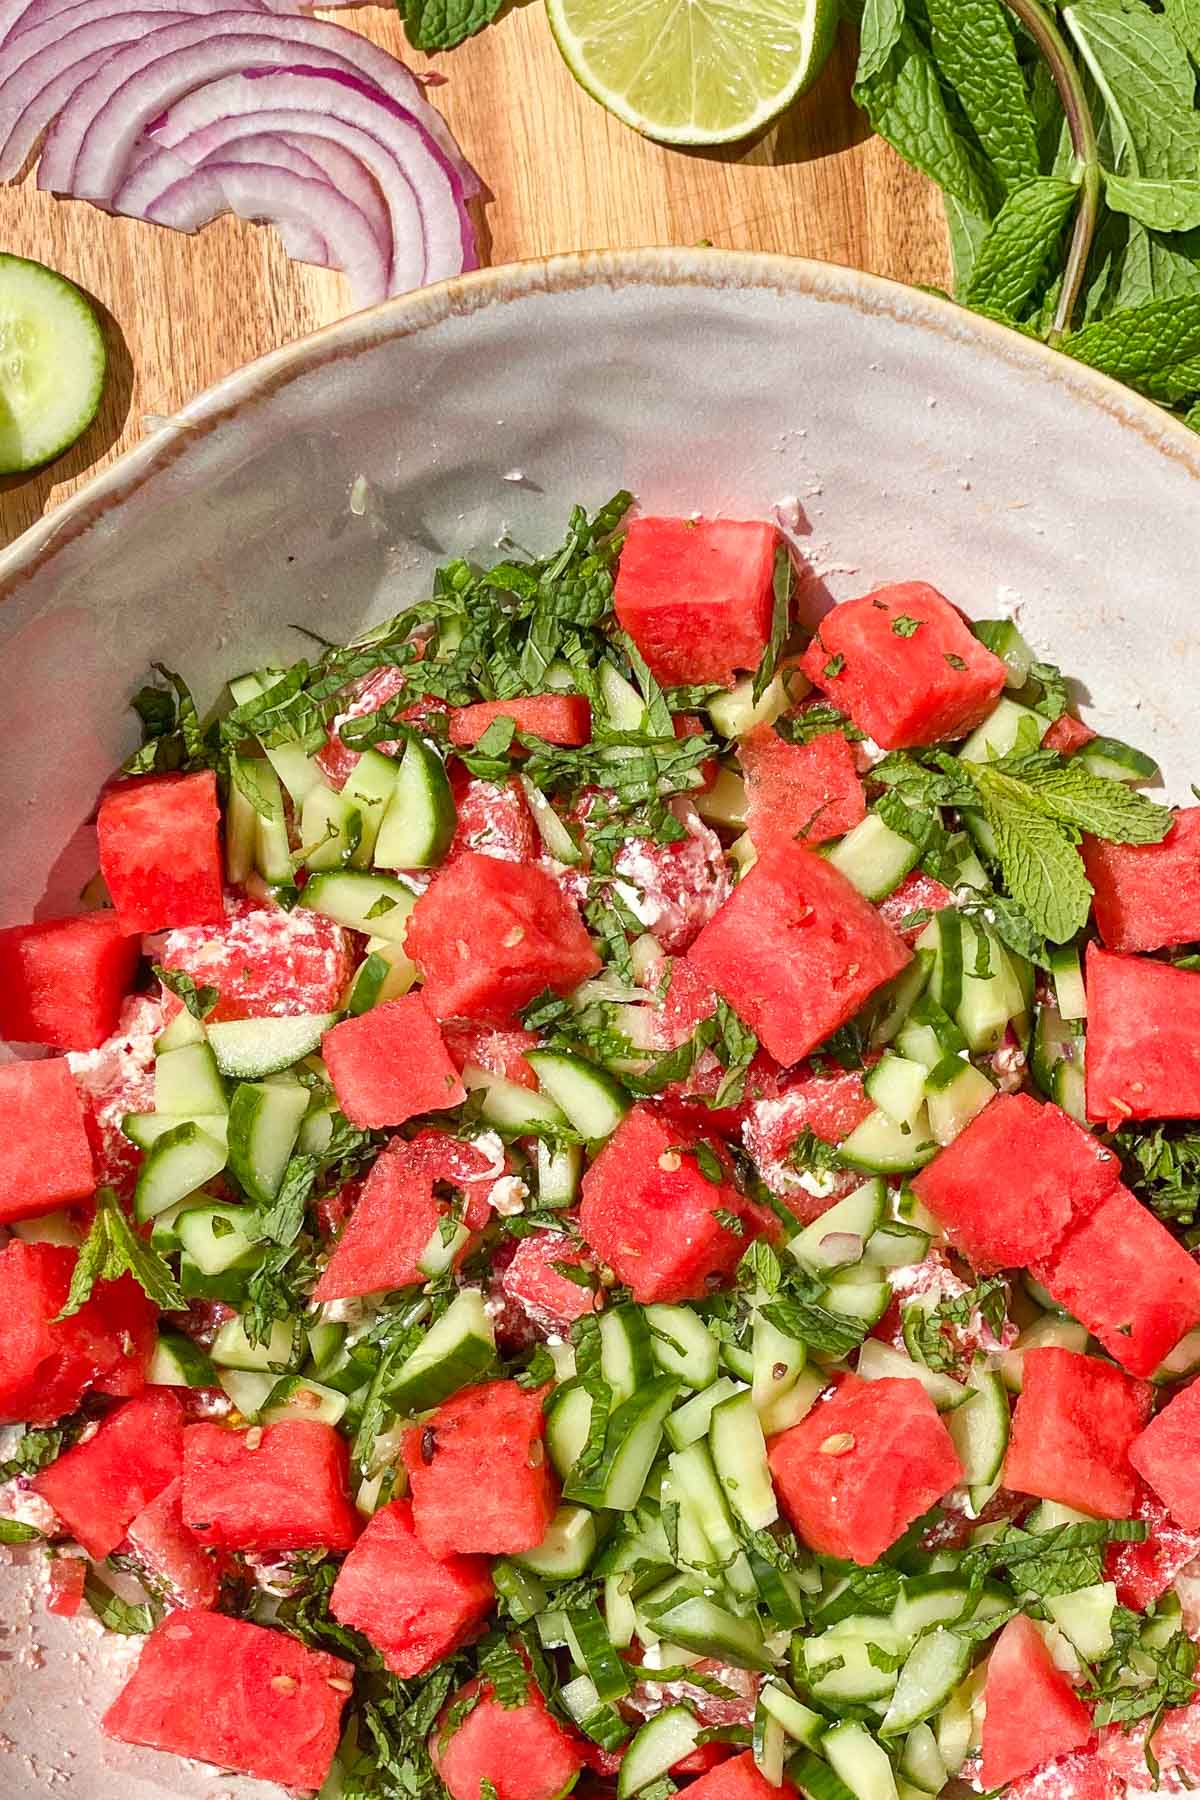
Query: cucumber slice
[
  {"x": 594, "y": 1653},
  {"x": 768, "y": 1742},
  {"x": 694, "y": 1486},
  {"x": 802, "y": 1724},
  {"x": 177, "y": 1362},
  {"x": 247, "y": 1049},
  {"x": 259, "y": 786},
  {"x": 230, "y": 1288},
  {"x": 241, "y": 831},
  {"x": 838, "y": 1663},
  {"x": 555, "y": 837},
  {"x": 1118, "y": 761},
  {"x": 369, "y": 787},
  {"x": 558, "y": 1173},
  {"x": 795, "y": 1404},
  {"x": 622, "y": 705},
  {"x": 568, "y": 1422},
  {"x": 874, "y": 858},
  {"x": 858, "y": 1298},
  {"x": 662, "y": 1741},
  {"x": 215, "y": 1240},
  {"x": 957, "y": 1092},
  {"x": 1002, "y": 638},
  {"x": 53, "y": 366},
  {"x": 50, "y": 1228},
  {"x": 897, "y": 1087},
  {"x": 186, "y": 1083},
  {"x": 420, "y": 817},
  {"x": 880, "y": 1146},
  {"x": 299, "y": 1397},
  {"x": 863, "y": 1765},
  {"x": 264, "y": 1122},
  {"x": 510, "y": 1107},
  {"x": 739, "y": 1453},
  {"x": 724, "y": 803},
  {"x": 828, "y": 1243},
  {"x": 247, "y": 1389},
  {"x": 895, "y": 1000},
  {"x": 736, "y": 712},
  {"x": 326, "y": 1343},
  {"x": 682, "y": 1345},
  {"x": 387, "y": 972},
  {"x": 979, "y": 1431},
  {"x": 145, "y": 1129},
  {"x": 181, "y": 1160},
  {"x": 360, "y": 901},
  {"x": 896, "y": 1245},
  {"x": 594, "y": 1103},
  {"x": 935, "y": 1666},
  {"x": 182, "y": 1029},
  {"x": 815, "y": 1779},
  {"x": 620, "y": 1615},
  {"x": 295, "y": 768},
  {"x": 1067, "y": 976},
  {"x": 279, "y": 1354},
  {"x": 456, "y": 1351},
  {"x": 743, "y": 855},
  {"x": 921, "y": 1762},
  {"x": 626, "y": 1357},
  {"x": 1070, "y": 1091},
  {"x": 929, "y": 1033},
  {"x": 1086, "y": 1616},
  {"x": 634, "y": 1436},
  {"x": 691, "y": 1420},
  {"x": 330, "y": 828},
  {"x": 1010, "y": 726},
  {"x": 1052, "y": 1331},
  {"x": 567, "y": 1548},
  {"x": 523, "y": 1593},
  {"x": 777, "y": 1361},
  {"x": 700, "y": 1624},
  {"x": 878, "y": 1361}
]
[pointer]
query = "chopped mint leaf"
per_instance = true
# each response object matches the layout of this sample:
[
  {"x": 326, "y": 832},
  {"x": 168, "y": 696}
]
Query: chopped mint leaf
[
  {"x": 199, "y": 1001},
  {"x": 905, "y": 627},
  {"x": 111, "y": 1249}
]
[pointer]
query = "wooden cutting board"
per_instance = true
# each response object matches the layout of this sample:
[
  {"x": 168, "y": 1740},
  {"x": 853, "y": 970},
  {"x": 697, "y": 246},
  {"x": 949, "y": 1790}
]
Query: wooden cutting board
[{"x": 561, "y": 175}]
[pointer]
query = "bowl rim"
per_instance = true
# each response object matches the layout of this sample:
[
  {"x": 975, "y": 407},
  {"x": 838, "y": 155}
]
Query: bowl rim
[{"x": 462, "y": 295}]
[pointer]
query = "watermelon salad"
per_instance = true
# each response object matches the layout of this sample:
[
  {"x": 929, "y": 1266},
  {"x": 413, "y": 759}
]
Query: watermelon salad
[{"x": 606, "y": 1199}]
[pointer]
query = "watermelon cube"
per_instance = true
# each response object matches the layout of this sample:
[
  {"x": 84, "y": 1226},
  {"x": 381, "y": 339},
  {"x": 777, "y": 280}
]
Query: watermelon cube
[
  {"x": 480, "y": 1480},
  {"x": 274, "y": 1487},
  {"x": 522, "y": 1751},
  {"x": 46, "y": 1364},
  {"x": 696, "y": 595},
  {"x": 264, "y": 961},
  {"x": 557, "y": 718},
  {"x": 389, "y": 1064},
  {"x": 62, "y": 981},
  {"x": 493, "y": 817},
  {"x": 907, "y": 908},
  {"x": 66, "y": 1578},
  {"x": 810, "y": 792},
  {"x": 796, "y": 951},
  {"x": 101, "y": 1485},
  {"x": 488, "y": 1047},
  {"x": 1122, "y": 1274},
  {"x": 533, "y": 1281},
  {"x": 1014, "y": 1181},
  {"x": 160, "y": 851},
  {"x": 1067, "y": 735},
  {"x": 651, "y": 1214},
  {"x": 45, "y": 1157},
  {"x": 904, "y": 666},
  {"x": 415, "y": 1608},
  {"x": 1031, "y": 1711},
  {"x": 737, "y": 1778},
  {"x": 397, "y": 1216},
  {"x": 1148, "y": 895},
  {"x": 1143, "y": 1040},
  {"x": 1167, "y": 1455},
  {"x": 166, "y": 1549},
  {"x": 1144, "y": 1571},
  {"x": 489, "y": 935},
  {"x": 236, "y": 1695},
  {"x": 854, "y": 1474},
  {"x": 1072, "y": 1429}
]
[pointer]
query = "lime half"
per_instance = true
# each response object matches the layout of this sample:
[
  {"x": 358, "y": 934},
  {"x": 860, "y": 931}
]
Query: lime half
[{"x": 694, "y": 71}]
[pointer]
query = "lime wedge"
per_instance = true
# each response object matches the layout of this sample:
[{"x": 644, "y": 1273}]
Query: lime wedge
[{"x": 694, "y": 71}]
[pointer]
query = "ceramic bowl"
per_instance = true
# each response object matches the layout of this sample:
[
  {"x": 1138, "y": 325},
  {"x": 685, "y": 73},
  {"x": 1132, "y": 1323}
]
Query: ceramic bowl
[{"x": 896, "y": 435}]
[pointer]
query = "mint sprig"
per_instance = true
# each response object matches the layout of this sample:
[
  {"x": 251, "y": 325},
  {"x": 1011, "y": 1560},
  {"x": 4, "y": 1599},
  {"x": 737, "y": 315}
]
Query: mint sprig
[{"x": 112, "y": 1249}]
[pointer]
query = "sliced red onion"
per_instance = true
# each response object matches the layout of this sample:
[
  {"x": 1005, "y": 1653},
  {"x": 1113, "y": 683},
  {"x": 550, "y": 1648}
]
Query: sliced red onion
[
  {"x": 88, "y": 150},
  {"x": 37, "y": 12},
  {"x": 431, "y": 230},
  {"x": 277, "y": 196},
  {"x": 840, "y": 1247},
  {"x": 302, "y": 242}
]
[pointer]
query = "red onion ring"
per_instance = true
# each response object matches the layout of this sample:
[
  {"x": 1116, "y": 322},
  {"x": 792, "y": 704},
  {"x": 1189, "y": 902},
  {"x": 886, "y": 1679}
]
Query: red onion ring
[
  {"x": 326, "y": 161},
  {"x": 302, "y": 242},
  {"x": 24, "y": 17}
]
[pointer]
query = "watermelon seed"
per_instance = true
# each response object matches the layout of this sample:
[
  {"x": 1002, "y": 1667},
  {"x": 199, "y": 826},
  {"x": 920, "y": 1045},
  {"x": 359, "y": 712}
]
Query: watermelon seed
[
  {"x": 254, "y": 1437},
  {"x": 537, "y": 1455},
  {"x": 339, "y": 1684},
  {"x": 428, "y": 1444},
  {"x": 838, "y": 1444},
  {"x": 512, "y": 938},
  {"x": 670, "y": 1160},
  {"x": 284, "y": 1684},
  {"x": 778, "y": 1371}
]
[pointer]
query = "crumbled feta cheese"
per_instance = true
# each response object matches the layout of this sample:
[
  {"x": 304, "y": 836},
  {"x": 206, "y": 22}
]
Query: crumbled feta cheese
[{"x": 508, "y": 1196}]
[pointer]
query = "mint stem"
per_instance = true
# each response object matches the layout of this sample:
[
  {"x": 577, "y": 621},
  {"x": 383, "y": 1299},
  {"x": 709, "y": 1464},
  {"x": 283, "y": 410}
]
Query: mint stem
[{"x": 1042, "y": 27}]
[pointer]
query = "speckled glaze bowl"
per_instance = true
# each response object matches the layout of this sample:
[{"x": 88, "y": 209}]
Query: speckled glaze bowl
[{"x": 896, "y": 435}]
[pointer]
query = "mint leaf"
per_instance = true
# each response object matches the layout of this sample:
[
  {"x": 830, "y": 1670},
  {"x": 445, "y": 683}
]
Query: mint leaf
[
  {"x": 1154, "y": 348},
  {"x": 906, "y": 105},
  {"x": 1184, "y": 16},
  {"x": 781, "y": 613},
  {"x": 114, "y": 1613},
  {"x": 966, "y": 232},
  {"x": 879, "y": 33},
  {"x": 1011, "y": 261},
  {"x": 975, "y": 51},
  {"x": 112, "y": 1249},
  {"x": 1166, "y": 203},
  {"x": 443, "y": 24},
  {"x": 1093, "y": 803},
  {"x": 15, "y": 1531},
  {"x": 1147, "y": 84},
  {"x": 1042, "y": 869}
]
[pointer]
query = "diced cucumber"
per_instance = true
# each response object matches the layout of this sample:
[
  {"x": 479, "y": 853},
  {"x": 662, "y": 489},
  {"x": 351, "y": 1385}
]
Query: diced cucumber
[
  {"x": 326, "y": 1343},
  {"x": 247, "y": 1049},
  {"x": 420, "y": 817},
  {"x": 593, "y": 1101},
  {"x": 802, "y": 1724},
  {"x": 567, "y": 1548},
  {"x": 921, "y": 1762},
  {"x": 935, "y": 1666},
  {"x": 456, "y": 1351},
  {"x": 230, "y": 1288},
  {"x": 445, "y": 1244},
  {"x": 878, "y": 1361},
  {"x": 895, "y": 1245},
  {"x": 568, "y": 1421},
  {"x": 510, "y": 1107},
  {"x": 738, "y": 1361},
  {"x": 1054, "y": 1332},
  {"x": 979, "y": 1431},
  {"x": 264, "y": 1122},
  {"x": 662, "y": 1741},
  {"x": 523, "y": 1593},
  {"x": 928, "y": 1600},
  {"x": 620, "y": 1615},
  {"x": 891, "y": 1005},
  {"x": 858, "y": 1299},
  {"x": 724, "y": 803},
  {"x": 777, "y": 1359},
  {"x": 295, "y": 768},
  {"x": 145, "y": 1129},
  {"x": 695, "y": 1488},
  {"x": 698, "y": 1623},
  {"x": 634, "y": 1435},
  {"x": 187, "y": 1084},
  {"x": 316, "y": 1127},
  {"x": 183, "y": 1029},
  {"x": 1086, "y": 1616},
  {"x": 386, "y": 972},
  {"x": 359, "y": 899},
  {"x": 957, "y": 1091},
  {"x": 50, "y": 1228},
  {"x": 241, "y": 834},
  {"x": 1010, "y": 726},
  {"x": 1118, "y": 761},
  {"x": 626, "y": 1354},
  {"x": 828, "y": 1243},
  {"x": 873, "y": 857},
  {"x": 1070, "y": 1092},
  {"x": 682, "y": 1345},
  {"x": 215, "y": 1239},
  {"x": 863, "y": 1765},
  {"x": 330, "y": 829},
  {"x": 743, "y": 855},
  {"x": 555, "y": 837},
  {"x": 369, "y": 788},
  {"x": 299, "y": 1397},
  {"x": 897, "y": 1087},
  {"x": 1067, "y": 976},
  {"x": 839, "y": 1667},
  {"x": 929, "y": 1032},
  {"x": 691, "y": 1420},
  {"x": 880, "y": 1146},
  {"x": 795, "y": 1404},
  {"x": 768, "y": 1742},
  {"x": 181, "y": 1160},
  {"x": 260, "y": 786},
  {"x": 736, "y": 711},
  {"x": 1002, "y": 638},
  {"x": 1183, "y": 1360},
  {"x": 558, "y": 1173},
  {"x": 623, "y": 707},
  {"x": 247, "y": 1388},
  {"x": 177, "y": 1362},
  {"x": 280, "y": 1353},
  {"x": 739, "y": 1454}
]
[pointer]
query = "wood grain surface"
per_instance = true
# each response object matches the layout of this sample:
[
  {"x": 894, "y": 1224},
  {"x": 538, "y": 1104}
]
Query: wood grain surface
[{"x": 560, "y": 175}]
